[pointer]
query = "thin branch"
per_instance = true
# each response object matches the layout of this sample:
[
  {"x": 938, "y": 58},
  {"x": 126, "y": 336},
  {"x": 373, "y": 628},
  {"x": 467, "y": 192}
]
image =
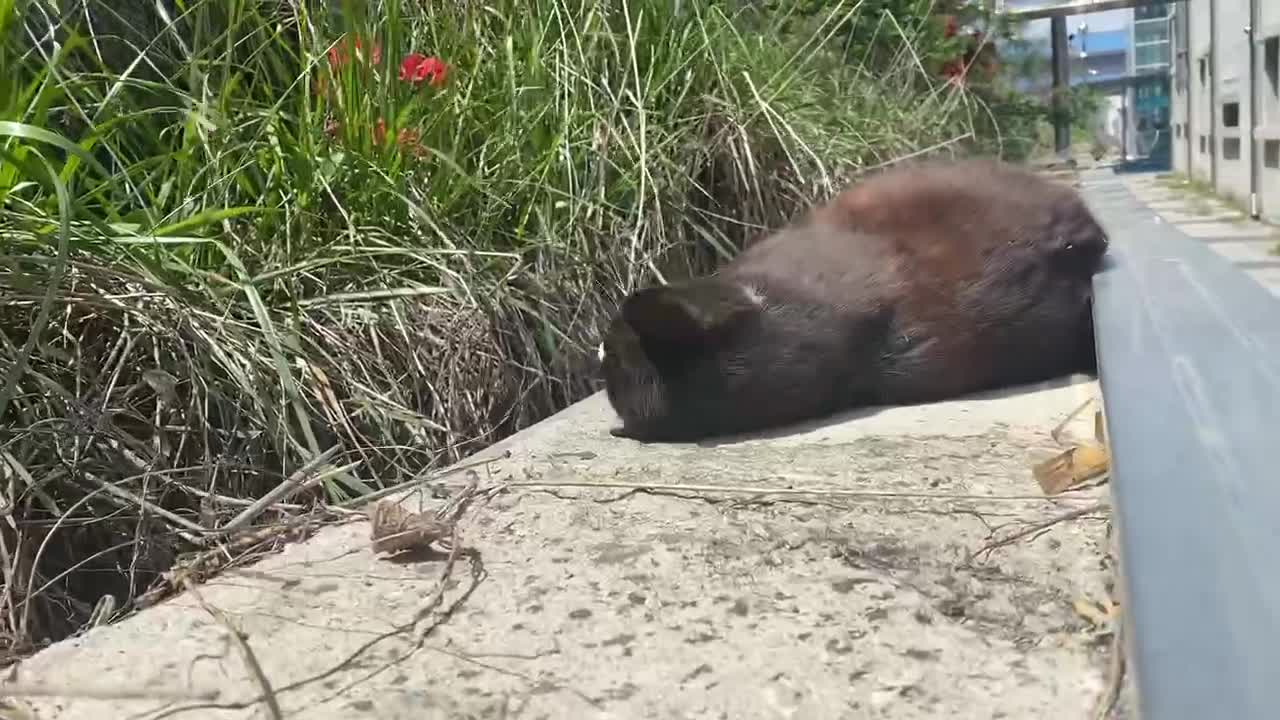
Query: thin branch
[
  {"x": 766, "y": 490},
  {"x": 1035, "y": 528}
]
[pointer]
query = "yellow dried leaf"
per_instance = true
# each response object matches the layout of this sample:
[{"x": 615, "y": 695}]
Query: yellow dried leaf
[
  {"x": 1071, "y": 468},
  {"x": 1094, "y": 613},
  {"x": 14, "y": 709}
]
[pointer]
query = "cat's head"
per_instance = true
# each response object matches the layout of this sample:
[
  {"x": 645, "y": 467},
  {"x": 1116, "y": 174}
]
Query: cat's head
[{"x": 662, "y": 357}]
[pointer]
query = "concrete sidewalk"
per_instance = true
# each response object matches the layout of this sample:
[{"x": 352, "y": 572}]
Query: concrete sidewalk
[
  {"x": 1249, "y": 244},
  {"x": 605, "y": 603}
]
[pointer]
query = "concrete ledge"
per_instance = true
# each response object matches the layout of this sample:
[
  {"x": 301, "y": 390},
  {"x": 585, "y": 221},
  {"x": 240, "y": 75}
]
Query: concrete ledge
[
  {"x": 1189, "y": 357},
  {"x": 605, "y": 603}
]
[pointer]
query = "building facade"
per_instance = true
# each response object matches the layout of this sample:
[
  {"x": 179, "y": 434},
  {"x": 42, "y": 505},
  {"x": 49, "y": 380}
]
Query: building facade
[
  {"x": 1148, "y": 93},
  {"x": 1226, "y": 99}
]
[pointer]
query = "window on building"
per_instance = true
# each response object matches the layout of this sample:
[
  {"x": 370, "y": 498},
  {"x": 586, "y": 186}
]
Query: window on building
[
  {"x": 1271, "y": 63},
  {"x": 1151, "y": 12},
  {"x": 1204, "y": 68},
  {"x": 1150, "y": 89},
  {"x": 1271, "y": 154},
  {"x": 1154, "y": 54},
  {"x": 1231, "y": 114},
  {"x": 1150, "y": 32},
  {"x": 1231, "y": 148},
  {"x": 1202, "y": 144},
  {"x": 1177, "y": 130}
]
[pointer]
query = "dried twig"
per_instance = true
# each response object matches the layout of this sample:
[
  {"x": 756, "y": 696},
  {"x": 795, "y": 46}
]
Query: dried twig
[
  {"x": 299, "y": 480},
  {"x": 1034, "y": 528},
  {"x": 764, "y": 490},
  {"x": 1056, "y": 432},
  {"x": 122, "y": 498},
  {"x": 250, "y": 659},
  {"x": 1115, "y": 672},
  {"x": 420, "y": 481},
  {"x": 453, "y": 511},
  {"x": 234, "y": 551}
]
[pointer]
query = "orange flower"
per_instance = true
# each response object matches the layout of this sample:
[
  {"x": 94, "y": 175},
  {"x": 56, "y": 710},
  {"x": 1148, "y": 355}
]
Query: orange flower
[
  {"x": 338, "y": 53},
  {"x": 408, "y": 139}
]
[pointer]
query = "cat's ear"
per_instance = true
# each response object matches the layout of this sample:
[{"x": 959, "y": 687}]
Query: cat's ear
[{"x": 690, "y": 312}]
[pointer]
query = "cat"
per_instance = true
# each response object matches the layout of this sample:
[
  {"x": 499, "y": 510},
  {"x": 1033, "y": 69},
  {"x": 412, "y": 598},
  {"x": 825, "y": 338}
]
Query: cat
[{"x": 921, "y": 283}]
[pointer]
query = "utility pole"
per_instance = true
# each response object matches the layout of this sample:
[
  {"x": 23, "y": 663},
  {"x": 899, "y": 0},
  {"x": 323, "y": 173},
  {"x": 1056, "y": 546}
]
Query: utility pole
[{"x": 1061, "y": 86}]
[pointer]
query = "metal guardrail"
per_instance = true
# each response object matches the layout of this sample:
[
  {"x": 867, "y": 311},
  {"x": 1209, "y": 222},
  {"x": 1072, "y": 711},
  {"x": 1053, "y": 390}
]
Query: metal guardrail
[{"x": 1189, "y": 364}]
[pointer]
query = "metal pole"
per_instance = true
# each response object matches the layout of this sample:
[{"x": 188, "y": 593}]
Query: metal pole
[
  {"x": 1213, "y": 94},
  {"x": 1254, "y": 97},
  {"x": 1124, "y": 124},
  {"x": 1061, "y": 86},
  {"x": 1183, "y": 21}
]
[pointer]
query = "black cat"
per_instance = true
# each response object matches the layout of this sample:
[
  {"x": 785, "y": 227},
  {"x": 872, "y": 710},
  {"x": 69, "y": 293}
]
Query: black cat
[{"x": 922, "y": 283}]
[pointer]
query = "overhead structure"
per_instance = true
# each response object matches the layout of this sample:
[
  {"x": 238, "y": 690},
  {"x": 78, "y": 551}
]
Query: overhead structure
[
  {"x": 1057, "y": 12},
  {"x": 1065, "y": 8}
]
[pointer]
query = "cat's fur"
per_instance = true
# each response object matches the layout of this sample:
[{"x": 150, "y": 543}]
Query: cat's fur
[{"x": 919, "y": 284}]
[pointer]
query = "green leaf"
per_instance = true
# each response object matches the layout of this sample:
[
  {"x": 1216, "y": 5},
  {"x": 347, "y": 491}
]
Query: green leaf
[{"x": 23, "y": 131}]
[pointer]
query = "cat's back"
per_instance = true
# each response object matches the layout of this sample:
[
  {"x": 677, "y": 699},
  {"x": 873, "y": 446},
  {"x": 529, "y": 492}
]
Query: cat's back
[
  {"x": 923, "y": 225},
  {"x": 974, "y": 206},
  {"x": 822, "y": 264},
  {"x": 983, "y": 268}
]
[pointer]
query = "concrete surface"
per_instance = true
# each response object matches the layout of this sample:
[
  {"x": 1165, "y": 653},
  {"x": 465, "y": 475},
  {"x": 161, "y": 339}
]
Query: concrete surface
[
  {"x": 1249, "y": 244},
  {"x": 604, "y": 603},
  {"x": 1188, "y": 349}
]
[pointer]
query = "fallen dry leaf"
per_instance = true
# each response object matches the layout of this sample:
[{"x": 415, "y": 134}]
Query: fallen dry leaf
[
  {"x": 393, "y": 529},
  {"x": 1072, "y": 467},
  {"x": 1100, "y": 615},
  {"x": 14, "y": 709}
]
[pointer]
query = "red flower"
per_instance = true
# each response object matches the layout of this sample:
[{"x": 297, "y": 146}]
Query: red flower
[
  {"x": 954, "y": 71},
  {"x": 951, "y": 28},
  {"x": 417, "y": 67}
]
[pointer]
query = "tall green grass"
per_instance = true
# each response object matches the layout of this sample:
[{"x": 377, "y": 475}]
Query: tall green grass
[{"x": 215, "y": 271}]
